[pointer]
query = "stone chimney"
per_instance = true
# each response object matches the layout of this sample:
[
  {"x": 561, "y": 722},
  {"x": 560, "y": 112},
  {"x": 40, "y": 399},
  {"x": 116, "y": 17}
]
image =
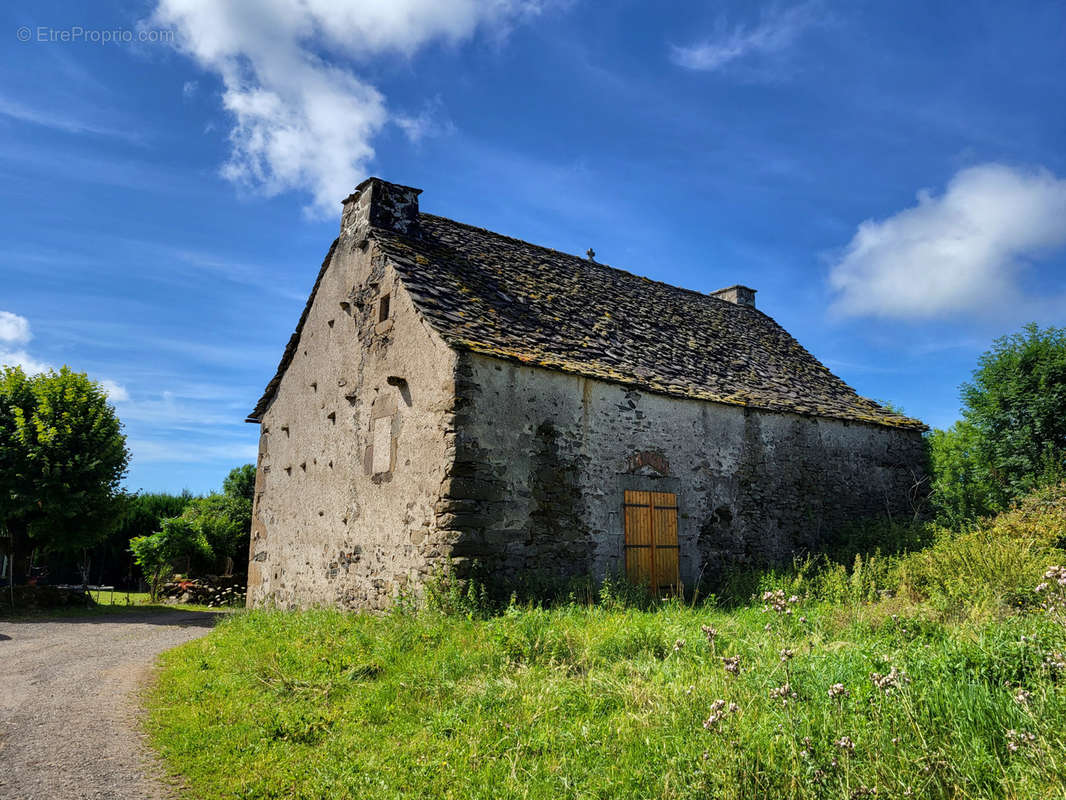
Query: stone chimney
[
  {"x": 738, "y": 295},
  {"x": 379, "y": 204}
]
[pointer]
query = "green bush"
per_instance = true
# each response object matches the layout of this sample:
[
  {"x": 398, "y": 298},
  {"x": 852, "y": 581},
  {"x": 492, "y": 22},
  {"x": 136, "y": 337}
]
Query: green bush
[{"x": 158, "y": 554}]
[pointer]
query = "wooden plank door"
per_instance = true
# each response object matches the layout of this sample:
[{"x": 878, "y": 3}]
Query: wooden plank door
[{"x": 651, "y": 540}]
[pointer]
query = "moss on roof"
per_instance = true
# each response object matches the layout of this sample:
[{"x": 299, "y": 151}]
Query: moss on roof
[{"x": 502, "y": 297}]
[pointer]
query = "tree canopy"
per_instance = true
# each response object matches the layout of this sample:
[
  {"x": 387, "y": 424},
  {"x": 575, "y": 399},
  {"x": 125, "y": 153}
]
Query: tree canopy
[
  {"x": 1012, "y": 437},
  {"x": 62, "y": 458}
]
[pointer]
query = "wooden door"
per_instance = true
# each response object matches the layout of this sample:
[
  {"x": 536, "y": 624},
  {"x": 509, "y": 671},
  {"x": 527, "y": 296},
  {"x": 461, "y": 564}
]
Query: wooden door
[{"x": 651, "y": 540}]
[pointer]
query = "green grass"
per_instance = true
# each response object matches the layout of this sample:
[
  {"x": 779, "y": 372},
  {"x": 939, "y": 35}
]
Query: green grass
[
  {"x": 590, "y": 702},
  {"x": 105, "y": 604},
  {"x": 610, "y": 701}
]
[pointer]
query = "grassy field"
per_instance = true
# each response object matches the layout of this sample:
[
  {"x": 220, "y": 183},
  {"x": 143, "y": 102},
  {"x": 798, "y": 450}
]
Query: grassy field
[
  {"x": 932, "y": 673},
  {"x": 832, "y": 700}
]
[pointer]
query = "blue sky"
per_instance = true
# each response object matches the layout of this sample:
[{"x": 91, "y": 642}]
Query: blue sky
[{"x": 891, "y": 177}]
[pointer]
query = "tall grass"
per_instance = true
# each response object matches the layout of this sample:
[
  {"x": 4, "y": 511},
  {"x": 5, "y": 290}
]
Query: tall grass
[{"x": 925, "y": 673}]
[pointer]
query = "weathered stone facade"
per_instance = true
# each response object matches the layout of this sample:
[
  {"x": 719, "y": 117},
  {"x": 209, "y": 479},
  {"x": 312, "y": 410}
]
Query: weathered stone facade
[
  {"x": 551, "y": 455},
  {"x": 386, "y": 448},
  {"x": 326, "y": 528}
]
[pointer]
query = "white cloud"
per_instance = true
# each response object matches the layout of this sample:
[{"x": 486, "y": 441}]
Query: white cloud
[
  {"x": 13, "y": 328},
  {"x": 776, "y": 31},
  {"x": 116, "y": 392},
  {"x": 956, "y": 252},
  {"x": 14, "y": 331},
  {"x": 430, "y": 121},
  {"x": 189, "y": 89},
  {"x": 303, "y": 119},
  {"x": 20, "y": 358}
]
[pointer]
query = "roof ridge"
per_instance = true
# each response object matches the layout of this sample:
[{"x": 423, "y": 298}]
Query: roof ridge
[{"x": 588, "y": 262}]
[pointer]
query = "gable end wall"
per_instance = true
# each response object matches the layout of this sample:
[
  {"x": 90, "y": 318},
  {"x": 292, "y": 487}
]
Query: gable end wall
[{"x": 326, "y": 530}]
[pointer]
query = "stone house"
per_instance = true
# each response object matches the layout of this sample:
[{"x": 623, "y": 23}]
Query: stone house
[{"x": 455, "y": 394}]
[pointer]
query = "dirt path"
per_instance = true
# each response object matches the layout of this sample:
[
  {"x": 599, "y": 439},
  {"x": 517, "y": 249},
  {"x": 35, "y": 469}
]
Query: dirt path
[{"x": 68, "y": 703}]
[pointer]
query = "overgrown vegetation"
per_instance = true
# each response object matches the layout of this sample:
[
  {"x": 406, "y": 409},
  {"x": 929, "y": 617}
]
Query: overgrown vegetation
[
  {"x": 209, "y": 536},
  {"x": 1012, "y": 437},
  {"x": 937, "y": 673}
]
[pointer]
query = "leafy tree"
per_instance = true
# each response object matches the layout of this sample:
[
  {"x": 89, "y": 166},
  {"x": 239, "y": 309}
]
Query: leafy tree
[
  {"x": 157, "y": 554},
  {"x": 240, "y": 482},
  {"x": 221, "y": 519},
  {"x": 62, "y": 457},
  {"x": 141, "y": 515},
  {"x": 957, "y": 492},
  {"x": 1016, "y": 406}
]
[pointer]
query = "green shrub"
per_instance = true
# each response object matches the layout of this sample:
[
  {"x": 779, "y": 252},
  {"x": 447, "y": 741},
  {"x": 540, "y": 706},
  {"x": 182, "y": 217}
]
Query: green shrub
[{"x": 158, "y": 554}]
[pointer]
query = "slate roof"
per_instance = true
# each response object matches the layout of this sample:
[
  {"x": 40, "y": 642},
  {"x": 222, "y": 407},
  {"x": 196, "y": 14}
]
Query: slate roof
[{"x": 506, "y": 298}]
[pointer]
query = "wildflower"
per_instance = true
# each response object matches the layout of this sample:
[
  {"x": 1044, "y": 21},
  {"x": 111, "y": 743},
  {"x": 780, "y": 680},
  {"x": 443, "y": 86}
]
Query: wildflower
[
  {"x": 710, "y": 632},
  {"x": 895, "y": 740},
  {"x": 1021, "y": 697},
  {"x": 890, "y": 682},
  {"x": 784, "y": 693},
  {"x": 1055, "y": 661},
  {"x": 678, "y": 645},
  {"x": 689, "y": 689},
  {"x": 845, "y": 743},
  {"x": 786, "y": 654},
  {"x": 768, "y": 627},
  {"x": 777, "y": 602},
  {"x": 1018, "y": 739},
  {"x": 732, "y": 665},
  {"x": 838, "y": 690},
  {"x": 803, "y": 620},
  {"x": 719, "y": 709}
]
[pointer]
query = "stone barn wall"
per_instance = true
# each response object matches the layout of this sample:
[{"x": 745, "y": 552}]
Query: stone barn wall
[
  {"x": 353, "y": 446},
  {"x": 545, "y": 457}
]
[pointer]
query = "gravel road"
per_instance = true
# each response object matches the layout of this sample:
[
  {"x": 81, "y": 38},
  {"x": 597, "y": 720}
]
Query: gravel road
[{"x": 68, "y": 703}]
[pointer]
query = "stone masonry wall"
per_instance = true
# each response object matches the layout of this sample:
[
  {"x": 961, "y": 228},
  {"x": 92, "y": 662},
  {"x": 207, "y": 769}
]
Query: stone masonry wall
[
  {"x": 353, "y": 446},
  {"x": 543, "y": 458}
]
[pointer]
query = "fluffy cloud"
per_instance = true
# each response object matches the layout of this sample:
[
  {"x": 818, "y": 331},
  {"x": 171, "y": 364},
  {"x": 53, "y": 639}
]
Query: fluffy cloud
[
  {"x": 956, "y": 252},
  {"x": 303, "y": 119},
  {"x": 775, "y": 31},
  {"x": 116, "y": 392},
  {"x": 14, "y": 331},
  {"x": 13, "y": 328}
]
